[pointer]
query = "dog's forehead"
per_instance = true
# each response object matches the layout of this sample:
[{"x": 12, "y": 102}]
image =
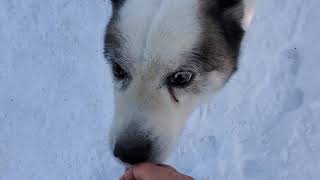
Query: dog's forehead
[{"x": 159, "y": 30}]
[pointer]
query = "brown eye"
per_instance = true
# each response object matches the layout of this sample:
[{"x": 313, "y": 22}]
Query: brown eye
[
  {"x": 118, "y": 72},
  {"x": 180, "y": 79}
]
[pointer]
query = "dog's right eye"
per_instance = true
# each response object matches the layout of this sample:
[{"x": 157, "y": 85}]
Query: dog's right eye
[
  {"x": 180, "y": 79},
  {"x": 118, "y": 72}
]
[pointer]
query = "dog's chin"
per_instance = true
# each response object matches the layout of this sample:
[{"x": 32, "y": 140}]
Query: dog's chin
[{"x": 127, "y": 165}]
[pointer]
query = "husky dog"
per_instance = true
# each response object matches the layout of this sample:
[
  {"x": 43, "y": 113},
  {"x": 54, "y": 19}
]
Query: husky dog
[{"x": 167, "y": 57}]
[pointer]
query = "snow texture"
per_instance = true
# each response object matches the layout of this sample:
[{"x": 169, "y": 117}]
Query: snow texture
[{"x": 56, "y": 97}]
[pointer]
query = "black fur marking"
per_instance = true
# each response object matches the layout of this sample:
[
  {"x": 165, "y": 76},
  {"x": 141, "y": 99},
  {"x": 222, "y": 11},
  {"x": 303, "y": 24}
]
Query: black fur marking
[
  {"x": 226, "y": 4},
  {"x": 233, "y": 34},
  {"x": 113, "y": 49},
  {"x": 113, "y": 38},
  {"x": 231, "y": 22},
  {"x": 219, "y": 47},
  {"x": 228, "y": 14},
  {"x": 117, "y": 4}
]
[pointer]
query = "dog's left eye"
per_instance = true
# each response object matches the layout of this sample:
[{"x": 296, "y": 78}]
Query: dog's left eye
[
  {"x": 180, "y": 79},
  {"x": 118, "y": 72}
]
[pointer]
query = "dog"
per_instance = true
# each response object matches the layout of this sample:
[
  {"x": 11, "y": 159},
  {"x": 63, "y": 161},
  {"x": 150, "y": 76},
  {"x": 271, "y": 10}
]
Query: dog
[{"x": 167, "y": 57}]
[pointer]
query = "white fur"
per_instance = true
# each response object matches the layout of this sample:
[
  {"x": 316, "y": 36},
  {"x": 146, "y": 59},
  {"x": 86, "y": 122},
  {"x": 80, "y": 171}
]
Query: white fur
[
  {"x": 156, "y": 34},
  {"x": 159, "y": 29}
]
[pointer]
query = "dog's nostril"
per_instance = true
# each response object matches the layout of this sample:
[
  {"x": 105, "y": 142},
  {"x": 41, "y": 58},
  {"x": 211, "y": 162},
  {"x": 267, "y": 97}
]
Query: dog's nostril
[{"x": 132, "y": 153}]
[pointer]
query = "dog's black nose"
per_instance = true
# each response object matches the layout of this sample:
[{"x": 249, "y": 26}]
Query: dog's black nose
[{"x": 132, "y": 152}]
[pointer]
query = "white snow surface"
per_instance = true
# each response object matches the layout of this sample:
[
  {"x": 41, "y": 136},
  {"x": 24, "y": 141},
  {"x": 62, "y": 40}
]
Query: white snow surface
[{"x": 56, "y": 97}]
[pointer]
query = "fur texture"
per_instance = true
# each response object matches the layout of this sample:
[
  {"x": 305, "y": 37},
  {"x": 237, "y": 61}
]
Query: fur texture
[{"x": 149, "y": 41}]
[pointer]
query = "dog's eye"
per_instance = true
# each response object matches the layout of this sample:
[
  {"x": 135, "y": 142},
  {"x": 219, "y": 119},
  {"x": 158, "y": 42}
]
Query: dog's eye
[
  {"x": 180, "y": 79},
  {"x": 118, "y": 72}
]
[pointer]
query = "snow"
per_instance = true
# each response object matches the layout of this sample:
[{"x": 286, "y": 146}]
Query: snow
[{"x": 56, "y": 97}]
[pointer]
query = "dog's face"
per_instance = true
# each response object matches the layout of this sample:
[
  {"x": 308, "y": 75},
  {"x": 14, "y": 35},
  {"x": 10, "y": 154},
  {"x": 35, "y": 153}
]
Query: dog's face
[{"x": 167, "y": 56}]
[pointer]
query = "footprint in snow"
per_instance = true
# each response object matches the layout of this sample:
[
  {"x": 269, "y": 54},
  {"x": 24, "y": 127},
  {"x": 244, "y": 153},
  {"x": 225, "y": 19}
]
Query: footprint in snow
[{"x": 291, "y": 56}]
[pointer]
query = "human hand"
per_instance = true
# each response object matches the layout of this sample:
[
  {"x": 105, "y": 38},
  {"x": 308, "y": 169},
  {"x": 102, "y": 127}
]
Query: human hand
[{"x": 149, "y": 171}]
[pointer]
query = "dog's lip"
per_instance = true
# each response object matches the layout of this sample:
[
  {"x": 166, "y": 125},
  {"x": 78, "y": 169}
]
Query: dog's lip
[{"x": 128, "y": 166}]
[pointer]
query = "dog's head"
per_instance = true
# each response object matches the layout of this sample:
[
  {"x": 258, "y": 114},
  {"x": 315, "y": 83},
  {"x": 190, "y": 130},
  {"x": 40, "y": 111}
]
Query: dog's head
[{"x": 167, "y": 56}]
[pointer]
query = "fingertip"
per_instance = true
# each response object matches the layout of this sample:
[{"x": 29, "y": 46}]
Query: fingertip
[
  {"x": 129, "y": 174},
  {"x": 142, "y": 170},
  {"x": 142, "y": 166}
]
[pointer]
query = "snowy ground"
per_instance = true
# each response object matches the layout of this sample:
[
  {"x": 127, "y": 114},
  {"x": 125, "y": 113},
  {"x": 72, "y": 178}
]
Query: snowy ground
[{"x": 55, "y": 97}]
